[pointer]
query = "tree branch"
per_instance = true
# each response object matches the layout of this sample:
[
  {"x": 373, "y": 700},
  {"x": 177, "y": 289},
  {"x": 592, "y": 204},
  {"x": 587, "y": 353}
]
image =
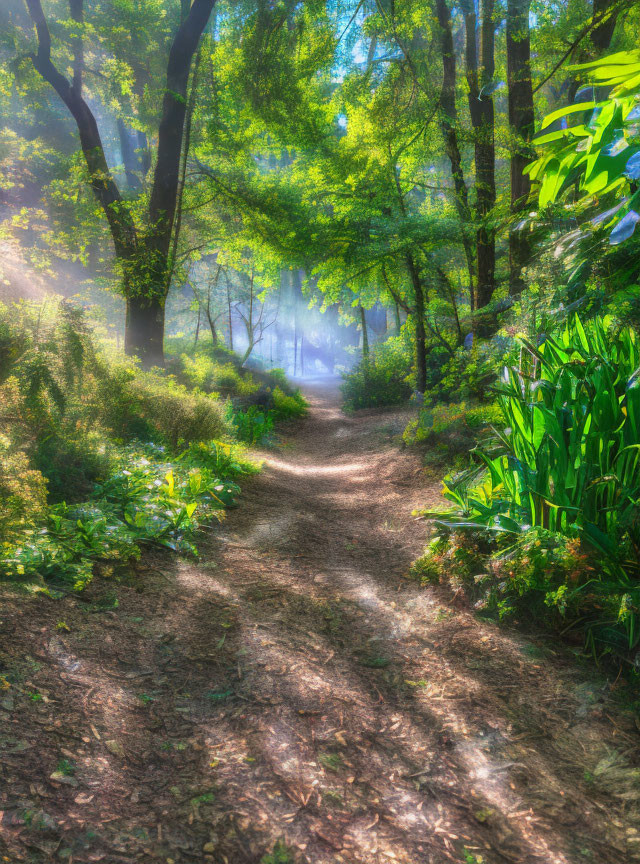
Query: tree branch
[
  {"x": 593, "y": 24},
  {"x": 164, "y": 193},
  {"x": 102, "y": 183}
]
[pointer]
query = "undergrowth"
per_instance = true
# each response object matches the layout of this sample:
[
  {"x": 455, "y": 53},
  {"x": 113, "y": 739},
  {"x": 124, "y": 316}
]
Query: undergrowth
[
  {"x": 381, "y": 379},
  {"x": 545, "y": 523},
  {"x": 99, "y": 458}
]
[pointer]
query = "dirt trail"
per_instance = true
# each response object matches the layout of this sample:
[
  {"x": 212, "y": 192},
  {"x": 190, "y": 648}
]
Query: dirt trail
[{"x": 293, "y": 684}]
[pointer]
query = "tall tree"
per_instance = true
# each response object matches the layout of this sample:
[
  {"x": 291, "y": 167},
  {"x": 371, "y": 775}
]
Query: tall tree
[
  {"x": 480, "y": 72},
  {"x": 485, "y": 160},
  {"x": 143, "y": 252},
  {"x": 521, "y": 122},
  {"x": 606, "y": 13},
  {"x": 449, "y": 126}
]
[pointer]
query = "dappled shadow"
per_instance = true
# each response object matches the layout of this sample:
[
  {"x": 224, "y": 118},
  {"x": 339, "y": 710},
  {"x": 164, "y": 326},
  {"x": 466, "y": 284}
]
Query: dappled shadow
[{"x": 291, "y": 683}]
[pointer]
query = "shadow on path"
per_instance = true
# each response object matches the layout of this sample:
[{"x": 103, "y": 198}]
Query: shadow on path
[{"x": 293, "y": 684}]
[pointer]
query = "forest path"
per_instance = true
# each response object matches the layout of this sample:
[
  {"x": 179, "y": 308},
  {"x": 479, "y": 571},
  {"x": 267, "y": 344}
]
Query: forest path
[{"x": 293, "y": 684}]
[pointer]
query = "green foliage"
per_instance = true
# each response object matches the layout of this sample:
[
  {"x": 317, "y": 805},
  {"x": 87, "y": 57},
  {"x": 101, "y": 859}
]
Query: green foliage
[
  {"x": 382, "y": 379},
  {"x": 547, "y": 575},
  {"x": 204, "y": 371},
  {"x": 221, "y": 458},
  {"x": 72, "y": 465},
  {"x": 281, "y": 855},
  {"x": 600, "y": 154},
  {"x": 288, "y": 406},
  {"x": 98, "y": 458},
  {"x": 456, "y": 375},
  {"x": 455, "y": 557},
  {"x": 253, "y": 426},
  {"x": 567, "y": 462},
  {"x": 170, "y": 412},
  {"x": 466, "y": 374},
  {"x": 23, "y": 491},
  {"x": 148, "y": 500},
  {"x": 456, "y": 424}
]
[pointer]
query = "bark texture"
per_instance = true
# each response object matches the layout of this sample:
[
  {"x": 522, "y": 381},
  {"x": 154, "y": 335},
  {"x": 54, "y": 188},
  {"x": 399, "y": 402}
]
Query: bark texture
[
  {"x": 449, "y": 126},
  {"x": 521, "y": 121},
  {"x": 485, "y": 160},
  {"x": 421, "y": 337}
]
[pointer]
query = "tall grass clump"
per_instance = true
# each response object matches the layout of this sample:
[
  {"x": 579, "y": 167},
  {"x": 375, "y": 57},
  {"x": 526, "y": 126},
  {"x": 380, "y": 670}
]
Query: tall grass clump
[{"x": 557, "y": 490}]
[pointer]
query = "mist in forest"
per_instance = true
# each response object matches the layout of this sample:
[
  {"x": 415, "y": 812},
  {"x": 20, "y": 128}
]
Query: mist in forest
[{"x": 281, "y": 328}]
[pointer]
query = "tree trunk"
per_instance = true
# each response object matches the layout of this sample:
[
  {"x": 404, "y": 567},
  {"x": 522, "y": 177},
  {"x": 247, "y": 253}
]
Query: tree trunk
[
  {"x": 164, "y": 194},
  {"x": 226, "y": 276},
  {"x": 521, "y": 121},
  {"x": 195, "y": 341},
  {"x": 365, "y": 334},
  {"x": 144, "y": 154},
  {"x": 144, "y": 330},
  {"x": 150, "y": 281},
  {"x": 247, "y": 353},
  {"x": 212, "y": 327},
  {"x": 449, "y": 126},
  {"x": 602, "y": 35},
  {"x": 485, "y": 162},
  {"x": 421, "y": 338}
]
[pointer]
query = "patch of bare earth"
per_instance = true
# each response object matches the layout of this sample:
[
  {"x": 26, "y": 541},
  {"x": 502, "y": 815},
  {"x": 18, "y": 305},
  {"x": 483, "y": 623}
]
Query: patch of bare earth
[{"x": 294, "y": 684}]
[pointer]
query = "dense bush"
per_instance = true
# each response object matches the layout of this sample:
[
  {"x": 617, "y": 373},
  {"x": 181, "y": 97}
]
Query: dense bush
[
  {"x": 205, "y": 371},
  {"x": 23, "y": 491},
  {"x": 155, "y": 407},
  {"x": 456, "y": 375},
  {"x": 72, "y": 465},
  {"x": 565, "y": 465},
  {"x": 175, "y": 414},
  {"x": 252, "y": 426},
  {"x": 215, "y": 369},
  {"x": 149, "y": 499},
  {"x": 458, "y": 426},
  {"x": 468, "y": 373},
  {"x": 288, "y": 406},
  {"x": 98, "y": 456},
  {"x": 383, "y": 378},
  {"x": 369, "y": 385}
]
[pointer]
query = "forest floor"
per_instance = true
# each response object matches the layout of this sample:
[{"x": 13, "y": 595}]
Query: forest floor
[{"x": 293, "y": 683}]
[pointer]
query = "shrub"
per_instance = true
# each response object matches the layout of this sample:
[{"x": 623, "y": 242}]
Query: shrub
[
  {"x": 382, "y": 379},
  {"x": 173, "y": 413},
  {"x": 278, "y": 378},
  {"x": 154, "y": 407},
  {"x": 252, "y": 426},
  {"x": 223, "y": 459},
  {"x": 287, "y": 407},
  {"x": 204, "y": 372},
  {"x": 147, "y": 499},
  {"x": 14, "y": 340},
  {"x": 72, "y": 466},
  {"x": 544, "y": 575},
  {"x": 370, "y": 385},
  {"x": 468, "y": 373},
  {"x": 453, "y": 557},
  {"x": 23, "y": 491},
  {"x": 77, "y": 486},
  {"x": 567, "y": 462},
  {"x": 457, "y": 426},
  {"x": 215, "y": 370}
]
